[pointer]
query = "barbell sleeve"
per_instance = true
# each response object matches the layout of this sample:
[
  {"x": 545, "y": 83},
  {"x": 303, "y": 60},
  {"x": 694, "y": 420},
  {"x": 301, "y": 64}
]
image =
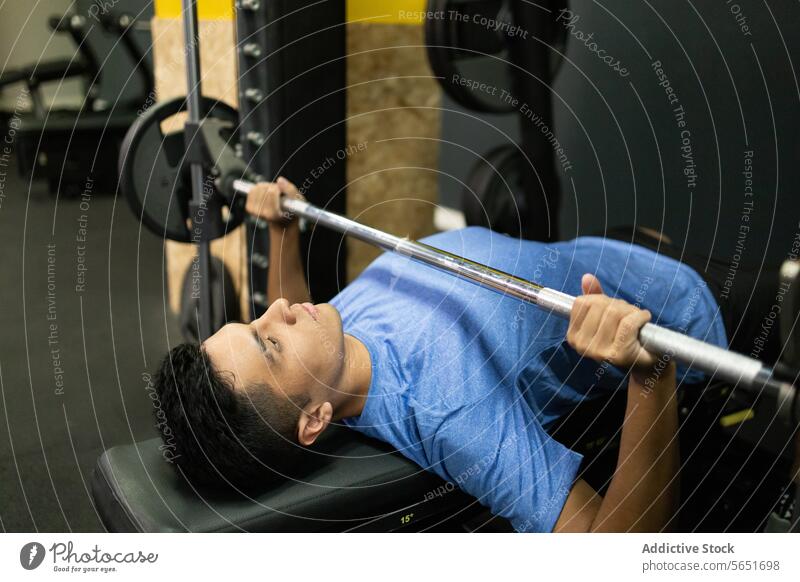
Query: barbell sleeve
[{"x": 696, "y": 354}]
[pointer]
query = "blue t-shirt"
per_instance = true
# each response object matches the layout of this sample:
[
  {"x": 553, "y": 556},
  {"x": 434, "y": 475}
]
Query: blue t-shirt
[{"x": 465, "y": 380}]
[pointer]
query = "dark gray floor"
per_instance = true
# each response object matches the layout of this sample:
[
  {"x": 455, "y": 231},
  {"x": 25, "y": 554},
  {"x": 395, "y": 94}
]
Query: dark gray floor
[{"x": 104, "y": 338}]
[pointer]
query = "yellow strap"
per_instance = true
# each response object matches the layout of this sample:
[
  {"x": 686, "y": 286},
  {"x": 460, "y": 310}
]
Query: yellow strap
[{"x": 737, "y": 417}]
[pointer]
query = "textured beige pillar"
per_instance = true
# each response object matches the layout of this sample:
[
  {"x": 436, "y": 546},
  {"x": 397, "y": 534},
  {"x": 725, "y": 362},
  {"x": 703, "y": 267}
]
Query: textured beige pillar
[{"x": 393, "y": 110}]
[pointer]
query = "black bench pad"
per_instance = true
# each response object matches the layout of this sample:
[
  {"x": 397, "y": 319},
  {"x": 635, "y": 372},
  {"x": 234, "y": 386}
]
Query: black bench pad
[{"x": 356, "y": 482}]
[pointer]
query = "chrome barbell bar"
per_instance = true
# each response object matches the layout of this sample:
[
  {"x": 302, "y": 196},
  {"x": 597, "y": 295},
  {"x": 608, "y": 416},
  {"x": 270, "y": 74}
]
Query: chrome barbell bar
[{"x": 715, "y": 361}]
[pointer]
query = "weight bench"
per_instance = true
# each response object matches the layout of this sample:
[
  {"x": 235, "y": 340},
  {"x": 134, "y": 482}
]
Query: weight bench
[{"x": 357, "y": 484}]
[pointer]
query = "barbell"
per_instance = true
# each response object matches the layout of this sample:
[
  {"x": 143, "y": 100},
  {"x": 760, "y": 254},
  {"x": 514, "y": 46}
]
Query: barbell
[
  {"x": 696, "y": 354},
  {"x": 154, "y": 176}
]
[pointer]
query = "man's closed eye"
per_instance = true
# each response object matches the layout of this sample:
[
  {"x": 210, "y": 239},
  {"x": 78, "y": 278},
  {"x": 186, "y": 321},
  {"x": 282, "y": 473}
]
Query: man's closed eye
[{"x": 267, "y": 348}]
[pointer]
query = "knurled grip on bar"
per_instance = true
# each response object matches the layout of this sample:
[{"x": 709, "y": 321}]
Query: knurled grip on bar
[{"x": 700, "y": 355}]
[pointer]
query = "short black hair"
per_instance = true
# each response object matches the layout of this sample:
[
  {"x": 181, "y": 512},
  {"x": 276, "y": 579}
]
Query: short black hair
[{"x": 217, "y": 435}]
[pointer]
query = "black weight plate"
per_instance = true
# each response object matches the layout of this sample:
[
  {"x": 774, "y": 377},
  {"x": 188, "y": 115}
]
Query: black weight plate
[
  {"x": 494, "y": 196},
  {"x": 471, "y": 60},
  {"x": 152, "y": 169},
  {"x": 461, "y": 51}
]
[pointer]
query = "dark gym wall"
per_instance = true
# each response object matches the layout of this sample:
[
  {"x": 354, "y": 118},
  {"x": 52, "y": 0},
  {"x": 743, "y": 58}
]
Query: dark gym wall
[
  {"x": 465, "y": 137},
  {"x": 730, "y": 65}
]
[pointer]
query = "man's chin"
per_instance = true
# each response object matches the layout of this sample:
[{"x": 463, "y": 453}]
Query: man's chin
[
  {"x": 327, "y": 307},
  {"x": 329, "y": 311}
]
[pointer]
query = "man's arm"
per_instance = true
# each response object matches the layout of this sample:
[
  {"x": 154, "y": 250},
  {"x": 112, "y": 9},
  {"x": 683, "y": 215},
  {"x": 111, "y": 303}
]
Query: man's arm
[
  {"x": 643, "y": 492},
  {"x": 286, "y": 276}
]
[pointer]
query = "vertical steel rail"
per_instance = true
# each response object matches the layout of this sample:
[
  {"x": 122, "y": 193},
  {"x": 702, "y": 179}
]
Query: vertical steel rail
[{"x": 193, "y": 95}]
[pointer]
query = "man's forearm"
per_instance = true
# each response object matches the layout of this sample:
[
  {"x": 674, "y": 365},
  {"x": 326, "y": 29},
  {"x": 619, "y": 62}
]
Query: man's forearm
[
  {"x": 286, "y": 275},
  {"x": 643, "y": 493}
]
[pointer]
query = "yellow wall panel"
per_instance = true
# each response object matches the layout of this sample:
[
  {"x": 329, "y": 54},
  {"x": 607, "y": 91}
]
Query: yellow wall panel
[
  {"x": 206, "y": 9},
  {"x": 383, "y": 11},
  {"x": 386, "y": 11}
]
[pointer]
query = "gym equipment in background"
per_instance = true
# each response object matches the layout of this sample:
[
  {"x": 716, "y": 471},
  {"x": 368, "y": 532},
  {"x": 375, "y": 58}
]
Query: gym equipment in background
[
  {"x": 76, "y": 150},
  {"x": 224, "y": 300},
  {"x": 153, "y": 161},
  {"x": 790, "y": 274},
  {"x": 469, "y": 45},
  {"x": 499, "y": 57},
  {"x": 494, "y": 195},
  {"x": 151, "y": 157},
  {"x": 83, "y": 65},
  {"x": 204, "y": 214}
]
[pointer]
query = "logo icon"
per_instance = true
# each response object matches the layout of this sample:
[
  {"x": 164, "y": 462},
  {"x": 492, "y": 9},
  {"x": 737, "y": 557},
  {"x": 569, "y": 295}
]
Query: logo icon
[{"x": 31, "y": 555}]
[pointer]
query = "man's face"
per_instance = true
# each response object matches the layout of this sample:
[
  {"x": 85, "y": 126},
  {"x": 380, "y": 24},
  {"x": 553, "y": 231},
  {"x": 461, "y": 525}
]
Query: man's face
[{"x": 296, "y": 349}]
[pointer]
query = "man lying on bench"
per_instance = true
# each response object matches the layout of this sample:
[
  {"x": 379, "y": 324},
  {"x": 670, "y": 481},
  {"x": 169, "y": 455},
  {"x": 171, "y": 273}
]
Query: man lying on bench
[{"x": 461, "y": 380}]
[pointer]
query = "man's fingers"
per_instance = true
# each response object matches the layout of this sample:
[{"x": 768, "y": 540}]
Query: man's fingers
[
  {"x": 590, "y": 285},
  {"x": 590, "y": 326},
  {"x": 264, "y": 201},
  {"x": 607, "y": 329},
  {"x": 634, "y": 321},
  {"x": 274, "y": 197},
  {"x": 255, "y": 199},
  {"x": 601, "y": 344},
  {"x": 583, "y": 306},
  {"x": 579, "y": 310},
  {"x": 604, "y": 345},
  {"x": 629, "y": 326},
  {"x": 289, "y": 189}
]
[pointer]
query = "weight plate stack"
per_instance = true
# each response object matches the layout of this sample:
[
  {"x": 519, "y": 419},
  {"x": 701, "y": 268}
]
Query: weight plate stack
[{"x": 469, "y": 43}]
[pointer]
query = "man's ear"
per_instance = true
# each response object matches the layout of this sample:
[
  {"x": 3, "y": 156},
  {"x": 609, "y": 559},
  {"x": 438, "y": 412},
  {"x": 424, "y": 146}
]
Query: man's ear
[{"x": 313, "y": 420}]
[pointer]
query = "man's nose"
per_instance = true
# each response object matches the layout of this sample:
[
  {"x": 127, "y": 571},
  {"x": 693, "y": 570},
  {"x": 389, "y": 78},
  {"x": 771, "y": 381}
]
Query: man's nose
[{"x": 279, "y": 312}]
